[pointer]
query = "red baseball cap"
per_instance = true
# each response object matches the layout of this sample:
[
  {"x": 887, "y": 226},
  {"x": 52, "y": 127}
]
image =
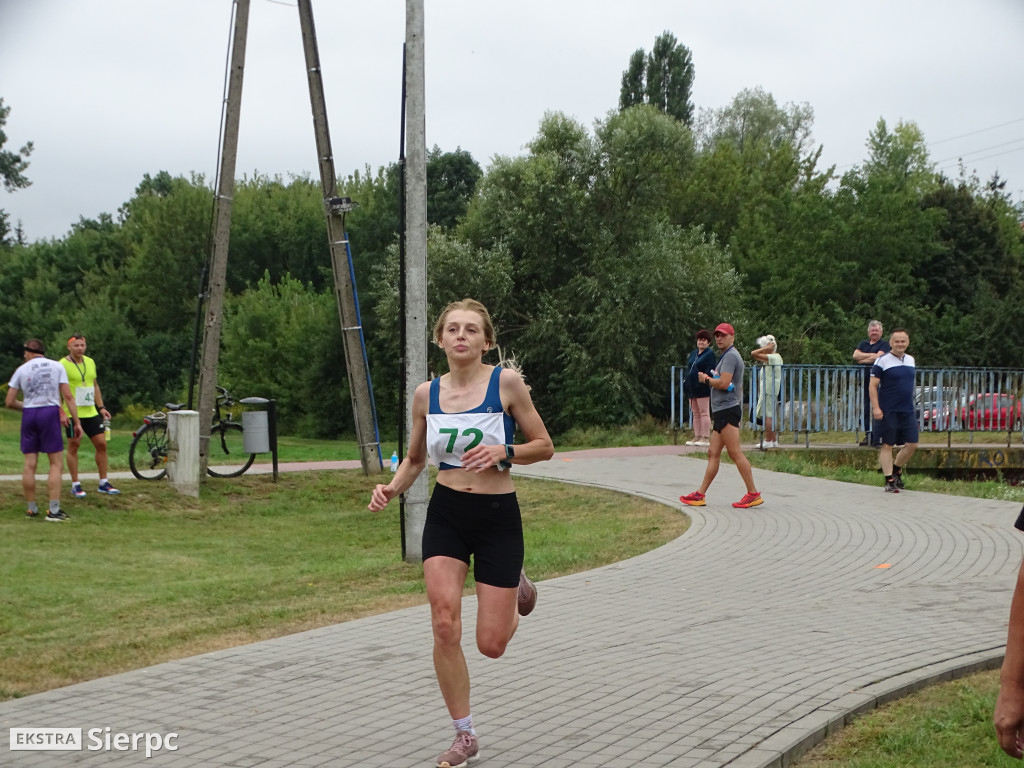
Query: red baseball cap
[{"x": 725, "y": 328}]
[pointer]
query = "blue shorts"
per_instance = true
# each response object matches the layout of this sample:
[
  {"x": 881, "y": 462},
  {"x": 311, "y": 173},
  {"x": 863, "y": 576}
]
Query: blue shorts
[
  {"x": 897, "y": 428},
  {"x": 40, "y": 430}
]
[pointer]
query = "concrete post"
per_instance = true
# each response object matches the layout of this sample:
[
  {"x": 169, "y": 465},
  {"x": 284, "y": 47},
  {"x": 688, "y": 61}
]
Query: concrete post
[
  {"x": 183, "y": 451},
  {"x": 417, "y": 324}
]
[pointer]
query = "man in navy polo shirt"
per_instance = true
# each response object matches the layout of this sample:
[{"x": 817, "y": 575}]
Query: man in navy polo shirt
[
  {"x": 867, "y": 354},
  {"x": 892, "y": 405}
]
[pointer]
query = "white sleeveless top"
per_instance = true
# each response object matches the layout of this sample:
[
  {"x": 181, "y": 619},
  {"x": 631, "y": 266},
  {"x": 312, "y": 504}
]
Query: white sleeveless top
[{"x": 449, "y": 435}]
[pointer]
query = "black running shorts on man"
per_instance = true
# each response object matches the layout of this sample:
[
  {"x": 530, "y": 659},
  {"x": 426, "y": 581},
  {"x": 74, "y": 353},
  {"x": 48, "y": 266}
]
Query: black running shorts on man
[{"x": 726, "y": 417}]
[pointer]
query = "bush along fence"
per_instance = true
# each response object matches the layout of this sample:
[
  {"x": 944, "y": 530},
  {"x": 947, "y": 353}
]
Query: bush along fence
[{"x": 833, "y": 398}]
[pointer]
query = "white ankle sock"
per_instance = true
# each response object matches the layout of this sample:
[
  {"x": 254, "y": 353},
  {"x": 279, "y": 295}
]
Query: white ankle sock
[{"x": 465, "y": 724}]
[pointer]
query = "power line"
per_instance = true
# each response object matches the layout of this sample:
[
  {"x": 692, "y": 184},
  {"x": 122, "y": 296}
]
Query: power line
[
  {"x": 962, "y": 155},
  {"x": 973, "y": 133},
  {"x": 979, "y": 159}
]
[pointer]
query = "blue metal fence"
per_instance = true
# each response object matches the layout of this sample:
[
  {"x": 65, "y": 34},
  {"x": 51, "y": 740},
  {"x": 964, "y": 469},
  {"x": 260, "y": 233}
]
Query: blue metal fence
[{"x": 831, "y": 398}]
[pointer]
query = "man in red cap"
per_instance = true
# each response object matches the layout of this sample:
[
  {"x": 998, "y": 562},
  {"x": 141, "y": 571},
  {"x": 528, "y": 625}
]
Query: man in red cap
[{"x": 726, "y": 382}]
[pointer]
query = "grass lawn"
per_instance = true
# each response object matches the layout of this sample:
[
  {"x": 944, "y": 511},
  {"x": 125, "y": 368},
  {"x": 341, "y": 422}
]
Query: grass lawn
[{"x": 945, "y": 726}]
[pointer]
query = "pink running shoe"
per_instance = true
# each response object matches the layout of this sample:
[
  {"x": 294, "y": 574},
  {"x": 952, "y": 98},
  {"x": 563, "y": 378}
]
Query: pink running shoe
[
  {"x": 527, "y": 597},
  {"x": 465, "y": 749}
]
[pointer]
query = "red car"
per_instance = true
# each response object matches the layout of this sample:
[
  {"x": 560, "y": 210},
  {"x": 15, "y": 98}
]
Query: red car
[{"x": 991, "y": 411}]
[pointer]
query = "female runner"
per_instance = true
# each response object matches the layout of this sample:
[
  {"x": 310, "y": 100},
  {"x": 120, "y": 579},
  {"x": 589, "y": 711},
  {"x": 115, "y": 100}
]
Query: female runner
[{"x": 465, "y": 421}]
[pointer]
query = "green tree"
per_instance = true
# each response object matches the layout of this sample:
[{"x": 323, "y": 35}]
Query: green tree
[
  {"x": 753, "y": 164},
  {"x": 754, "y": 118},
  {"x": 662, "y": 78},
  {"x": 278, "y": 228},
  {"x": 973, "y": 277},
  {"x": 12, "y": 164},
  {"x": 282, "y": 341},
  {"x": 451, "y": 181},
  {"x": 898, "y": 159},
  {"x": 167, "y": 226},
  {"x": 644, "y": 155},
  {"x": 632, "y": 91},
  {"x": 636, "y": 319},
  {"x": 12, "y": 167}
]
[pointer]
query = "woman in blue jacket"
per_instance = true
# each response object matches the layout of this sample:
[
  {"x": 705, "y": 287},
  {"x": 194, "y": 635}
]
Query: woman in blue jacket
[{"x": 701, "y": 360}]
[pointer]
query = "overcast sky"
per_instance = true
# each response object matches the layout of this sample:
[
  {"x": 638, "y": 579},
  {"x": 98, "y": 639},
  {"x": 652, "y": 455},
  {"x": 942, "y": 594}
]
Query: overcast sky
[{"x": 109, "y": 90}]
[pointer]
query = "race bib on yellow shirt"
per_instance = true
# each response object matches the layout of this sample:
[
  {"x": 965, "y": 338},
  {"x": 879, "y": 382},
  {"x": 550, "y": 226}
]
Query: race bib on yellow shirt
[{"x": 85, "y": 397}]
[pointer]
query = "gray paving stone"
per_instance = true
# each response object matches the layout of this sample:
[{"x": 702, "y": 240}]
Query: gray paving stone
[{"x": 739, "y": 644}]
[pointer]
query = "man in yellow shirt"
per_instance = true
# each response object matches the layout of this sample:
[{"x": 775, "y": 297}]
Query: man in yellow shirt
[{"x": 85, "y": 389}]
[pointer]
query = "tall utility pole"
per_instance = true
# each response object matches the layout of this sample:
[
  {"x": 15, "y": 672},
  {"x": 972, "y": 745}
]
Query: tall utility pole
[
  {"x": 222, "y": 232},
  {"x": 351, "y": 330},
  {"x": 417, "y": 324}
]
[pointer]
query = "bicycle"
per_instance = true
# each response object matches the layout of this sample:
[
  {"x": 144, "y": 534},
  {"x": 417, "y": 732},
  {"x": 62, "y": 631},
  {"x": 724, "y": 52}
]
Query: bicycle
[{"x": 147, "y": 455}]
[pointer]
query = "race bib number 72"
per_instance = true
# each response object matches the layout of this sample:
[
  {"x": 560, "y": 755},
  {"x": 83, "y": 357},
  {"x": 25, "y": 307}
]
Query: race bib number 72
[{"x": 476, "y": 436}]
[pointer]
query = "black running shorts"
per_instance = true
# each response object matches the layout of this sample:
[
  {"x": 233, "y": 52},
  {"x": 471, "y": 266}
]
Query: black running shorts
[
  {"x": 92, "y": 426},
  {"x": 486, "y": 526},
  {"x": 726, "y": 417}
]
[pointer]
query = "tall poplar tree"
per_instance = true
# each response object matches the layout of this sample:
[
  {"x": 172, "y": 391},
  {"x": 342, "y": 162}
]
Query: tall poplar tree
[{"x": 662, "y": 78}]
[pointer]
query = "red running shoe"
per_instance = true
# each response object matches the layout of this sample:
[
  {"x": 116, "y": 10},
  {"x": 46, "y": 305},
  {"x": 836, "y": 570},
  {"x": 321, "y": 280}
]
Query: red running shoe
[
  {"x": 695, "y": 499},
  {"x": 750, "y": 500}
]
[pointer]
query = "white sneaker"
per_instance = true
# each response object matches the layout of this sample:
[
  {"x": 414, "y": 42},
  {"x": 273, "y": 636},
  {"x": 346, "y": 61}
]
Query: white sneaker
[
  {"x": 702, "y": 442},
  {"x": 691, "y": 442}
]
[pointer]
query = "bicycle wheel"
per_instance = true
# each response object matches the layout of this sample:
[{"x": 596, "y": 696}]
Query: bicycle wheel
[
  {"x": 147, "y": 455},
  {"x": 227, "y": 455}
]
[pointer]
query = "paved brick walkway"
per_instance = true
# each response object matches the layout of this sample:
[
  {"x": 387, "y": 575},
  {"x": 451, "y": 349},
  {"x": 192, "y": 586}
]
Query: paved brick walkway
[{"x": 735, "y": 645}]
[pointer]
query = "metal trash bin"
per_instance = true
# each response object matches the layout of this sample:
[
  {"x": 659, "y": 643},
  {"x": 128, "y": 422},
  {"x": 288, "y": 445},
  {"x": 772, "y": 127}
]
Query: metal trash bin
[
  {"x": 259, "y": 427},
  {"x": 255, "y": 426}
]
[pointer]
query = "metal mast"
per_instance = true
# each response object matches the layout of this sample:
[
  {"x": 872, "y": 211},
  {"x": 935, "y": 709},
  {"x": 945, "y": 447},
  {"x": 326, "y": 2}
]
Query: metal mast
[{"x": 351, "y": 330}]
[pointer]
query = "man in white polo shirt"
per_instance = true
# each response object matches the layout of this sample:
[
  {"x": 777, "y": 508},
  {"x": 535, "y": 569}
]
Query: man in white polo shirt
[
  {"x": 42, "y": 383},
  {"x": 892, "y": 405}
]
